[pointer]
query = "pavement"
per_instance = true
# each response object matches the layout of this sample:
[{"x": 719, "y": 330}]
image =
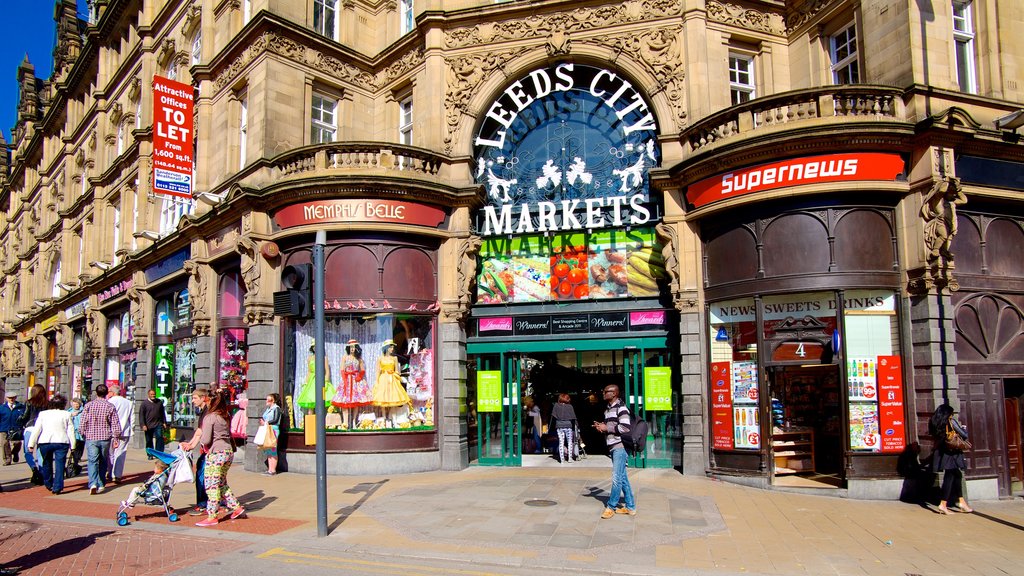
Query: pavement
[{"x": 488, "y": 520}]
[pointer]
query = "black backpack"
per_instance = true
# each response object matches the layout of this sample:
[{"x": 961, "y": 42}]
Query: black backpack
[{"x": 635, "y": 440}]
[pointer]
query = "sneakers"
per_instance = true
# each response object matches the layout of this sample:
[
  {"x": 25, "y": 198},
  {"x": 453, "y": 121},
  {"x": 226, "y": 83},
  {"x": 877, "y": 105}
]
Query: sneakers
[
  {"x": 94, "y": 490},
  {"x": 625, "y": 511},
  {"x": 197, "y": 511},
  {"x": 238, "y": 513},
  {"x": 209, "y": 521},
  {"x": 608, "y": 513}
]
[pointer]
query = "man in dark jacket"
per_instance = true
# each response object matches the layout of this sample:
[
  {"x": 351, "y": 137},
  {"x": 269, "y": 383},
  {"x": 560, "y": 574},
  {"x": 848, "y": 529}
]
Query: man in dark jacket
[
  {"x": 10, "y": 411},
  {"x": 153, "y": 418}
]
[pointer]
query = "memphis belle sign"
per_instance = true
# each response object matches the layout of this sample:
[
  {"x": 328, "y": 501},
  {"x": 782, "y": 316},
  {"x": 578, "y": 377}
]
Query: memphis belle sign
[
  {"x": 564, "y": 148},
  {"x": 857, "y": 166}
]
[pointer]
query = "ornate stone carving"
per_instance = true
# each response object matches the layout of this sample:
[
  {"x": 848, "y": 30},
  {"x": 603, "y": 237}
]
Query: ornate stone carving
[
  {"x": 259, "y": 313},
  {"x": 938, "y": 211},
  {"x": 465, "y": 74},
  {"x": 250, "y": 267},
  {"x": 558, "y": 43},
  {"x": 579, "y": 19},
  {"x": 196, "y": 291},
  {"x": 12, "y": 360},
  {"x": 657, "y": 49},
  {"x": 94, "y": 333},
  {"x": 137, "y": 311},
  {"x": 39, "y": 344},
  {"x": 63, "y": 343},
  {"x": 457, "y": 310},
  {"x": 669, "y": 239},
  {"x": 805, "y": 13},
  {"x": 745, "y": 18},
  {"x": 288, "y": 48}
]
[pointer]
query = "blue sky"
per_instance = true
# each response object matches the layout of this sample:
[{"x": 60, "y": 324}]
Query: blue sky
[{"x": 31, "y": 27}]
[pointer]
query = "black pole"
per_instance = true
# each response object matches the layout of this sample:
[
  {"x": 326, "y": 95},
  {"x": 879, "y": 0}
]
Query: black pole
[{"x": 321, "y": 431}]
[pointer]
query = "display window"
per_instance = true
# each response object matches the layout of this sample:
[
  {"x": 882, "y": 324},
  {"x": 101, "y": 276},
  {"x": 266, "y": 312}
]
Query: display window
[
  {"x": 52, "y": 370},
  {"x": 379, "y": 374},
  {"x": 570, "y": 267},
  {"x": 174, "y": 359},
  {"x": 232, "y": 349},
  {"x": 734, "y": 375},
  {"x": 81, "y": 374}
]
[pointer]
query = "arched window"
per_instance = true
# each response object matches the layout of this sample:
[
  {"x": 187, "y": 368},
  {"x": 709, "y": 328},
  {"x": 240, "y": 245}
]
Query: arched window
[
  {"x": 232, "y": 294},
  {"x": 233, "y": 364}
]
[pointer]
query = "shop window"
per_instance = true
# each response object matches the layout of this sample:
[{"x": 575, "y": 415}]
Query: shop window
[
  {"x": 741, "y": 78},
  {"x": 182, "y": 411},
  {"x": 844, "y": 56},
  {"x": 734, "y": 376},
  {"x": 52, "y": 370},
  {"x": 874, "y": 372},
  {"x": 383, "y": 381},
  {"x": 232, "y": 349},
  {"x": 963, "y": 40},
  {"x": 165, "y": 317},
  {"x": 232, "y": 295}
]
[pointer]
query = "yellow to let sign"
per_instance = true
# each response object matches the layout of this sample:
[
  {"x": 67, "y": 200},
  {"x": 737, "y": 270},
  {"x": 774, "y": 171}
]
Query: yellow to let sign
[{"x": 488, "y": 391}]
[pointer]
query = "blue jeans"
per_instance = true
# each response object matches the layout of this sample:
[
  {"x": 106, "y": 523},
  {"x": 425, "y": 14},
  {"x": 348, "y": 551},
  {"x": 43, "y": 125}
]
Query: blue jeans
[
  {"x": 620, "y": 481},
  {"x": 55, "y": 457},
  {"x": 98, "y": 454},
  {"x": 201, "y": 481},
  {"x": 29, "y": 459}
]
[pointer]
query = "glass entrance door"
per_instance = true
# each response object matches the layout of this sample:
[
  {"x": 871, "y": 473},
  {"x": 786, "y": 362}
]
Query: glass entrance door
[{"x": 495, "y": 421}]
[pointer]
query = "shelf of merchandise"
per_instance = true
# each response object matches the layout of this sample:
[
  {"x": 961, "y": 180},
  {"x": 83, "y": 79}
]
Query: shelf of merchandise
[{"x": 793, "y": 450}]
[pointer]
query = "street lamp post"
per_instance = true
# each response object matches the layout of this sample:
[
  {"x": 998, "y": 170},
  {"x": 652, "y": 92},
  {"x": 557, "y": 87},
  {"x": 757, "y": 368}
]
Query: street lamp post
[{"x": 321, "y": 432}]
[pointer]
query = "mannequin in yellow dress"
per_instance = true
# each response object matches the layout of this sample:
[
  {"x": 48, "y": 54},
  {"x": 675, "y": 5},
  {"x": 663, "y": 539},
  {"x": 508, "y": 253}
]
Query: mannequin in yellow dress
[{"x": 388, "y": 392}]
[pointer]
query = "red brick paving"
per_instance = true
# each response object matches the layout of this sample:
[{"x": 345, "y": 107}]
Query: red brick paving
[
  {"x": 75, "y": 501},
  {"x": 56, "y": 547}
]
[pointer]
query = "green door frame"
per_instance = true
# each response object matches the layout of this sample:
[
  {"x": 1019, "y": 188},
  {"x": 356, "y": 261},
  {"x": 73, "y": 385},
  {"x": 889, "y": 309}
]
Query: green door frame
[{"x": 510, "y": 352}]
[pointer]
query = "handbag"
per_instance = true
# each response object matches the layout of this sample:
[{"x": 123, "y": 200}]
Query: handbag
[
  {"x": 955, "y": 441},
  {"x": 261, "y": 435},
  {"x": 16, "y": 434},
  {"x": 271, "y": 439}
]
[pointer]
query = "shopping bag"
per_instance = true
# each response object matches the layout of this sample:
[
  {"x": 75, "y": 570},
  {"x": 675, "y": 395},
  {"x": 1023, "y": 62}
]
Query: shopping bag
[
  {"x": 271, "y": 438},
  {"x": 261, "y": 435}
]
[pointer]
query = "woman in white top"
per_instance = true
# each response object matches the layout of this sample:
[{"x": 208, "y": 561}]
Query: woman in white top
[{"x": 54, "y": 436}]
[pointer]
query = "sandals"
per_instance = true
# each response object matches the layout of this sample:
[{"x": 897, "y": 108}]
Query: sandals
[
  {"x": 942, "y": 510},
  {"x": 965, "y": 509}
]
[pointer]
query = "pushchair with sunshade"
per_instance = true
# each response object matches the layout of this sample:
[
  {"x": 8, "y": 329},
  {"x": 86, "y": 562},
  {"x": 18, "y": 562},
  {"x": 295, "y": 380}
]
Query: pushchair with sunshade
[{"x": 156, "y": 491}]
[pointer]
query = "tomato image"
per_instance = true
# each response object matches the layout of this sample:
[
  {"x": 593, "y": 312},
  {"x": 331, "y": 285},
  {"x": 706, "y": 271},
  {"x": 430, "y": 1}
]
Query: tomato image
[
  {"x": 576, "y": 276},
  {"x": 561, "y": 270},
  {"x": 581, "y": 291},
  {"x": 564, "y": 289}
]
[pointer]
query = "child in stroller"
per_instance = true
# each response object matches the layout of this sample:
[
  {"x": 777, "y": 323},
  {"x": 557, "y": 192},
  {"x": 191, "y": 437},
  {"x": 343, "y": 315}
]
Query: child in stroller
[{"x": 168, "y": 470}]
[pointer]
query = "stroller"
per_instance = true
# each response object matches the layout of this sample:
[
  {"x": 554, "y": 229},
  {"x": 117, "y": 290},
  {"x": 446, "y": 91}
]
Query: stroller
[
  {"x": 156, "y": 491},
  {"x": 579, "y": 443}
]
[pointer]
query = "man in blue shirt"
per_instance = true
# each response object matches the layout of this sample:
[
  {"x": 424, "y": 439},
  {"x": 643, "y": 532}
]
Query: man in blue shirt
[{"x": 10, "y": 411}]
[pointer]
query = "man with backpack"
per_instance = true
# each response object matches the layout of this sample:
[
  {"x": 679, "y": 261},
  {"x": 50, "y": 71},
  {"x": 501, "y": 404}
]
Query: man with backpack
[{"x": 616, "y": 425}]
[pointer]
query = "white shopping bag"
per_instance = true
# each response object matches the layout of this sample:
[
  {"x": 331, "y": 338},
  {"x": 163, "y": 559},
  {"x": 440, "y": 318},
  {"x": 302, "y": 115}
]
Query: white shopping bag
[{"x": 261, "y": 435}]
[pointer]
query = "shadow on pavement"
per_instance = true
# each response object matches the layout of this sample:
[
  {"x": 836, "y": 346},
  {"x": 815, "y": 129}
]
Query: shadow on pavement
[
  {"x": 256, "y": 500},
  {"x": 65, "y": 548},
  {"x": 999, "y": 520},
  {"x": 367, "y": 489}
]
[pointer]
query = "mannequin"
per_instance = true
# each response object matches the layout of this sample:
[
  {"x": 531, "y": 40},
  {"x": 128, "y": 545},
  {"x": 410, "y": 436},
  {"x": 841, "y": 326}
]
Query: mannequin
[
  {"x": 388, "y": 392},
  {"x": 307, "y": 396},
  {"x": 354, "y": 391}
]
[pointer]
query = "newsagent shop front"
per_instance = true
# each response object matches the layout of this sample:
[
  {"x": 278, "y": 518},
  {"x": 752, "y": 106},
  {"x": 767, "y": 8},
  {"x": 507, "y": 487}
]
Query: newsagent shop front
[
  {"x": 570, "y": 278},
  {"x": 805, "y": 339}
]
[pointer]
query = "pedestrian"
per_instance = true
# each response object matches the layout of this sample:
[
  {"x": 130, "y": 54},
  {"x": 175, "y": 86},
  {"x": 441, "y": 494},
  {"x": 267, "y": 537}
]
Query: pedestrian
[
  {"x": 533, "y": 416},
  {"x": 53, "y": 437},
  {"x": 126, "y": 419},
  {"x": 36, "y": 403},
  {"x": 563, "y": 422},
  {"x": 949, "y": 460},
  {"x": 616, "y": 423},
  {"x": 76, "y": 451},
  {"x": 200, "y": 401},
  {"x": 272, "y": 417},
  {"x": 214, "y": 438},
  {"x": 102, "y": 430},
  {"x": 10, "y": 430},
  {"x": 153, "y": 418}
]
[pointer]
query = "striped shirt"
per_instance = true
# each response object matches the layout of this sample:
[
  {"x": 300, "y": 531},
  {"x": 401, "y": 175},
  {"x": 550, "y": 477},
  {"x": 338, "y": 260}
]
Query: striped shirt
[
  {"x": 616, "y": 419},
  {"x": 99, "y": 421}
]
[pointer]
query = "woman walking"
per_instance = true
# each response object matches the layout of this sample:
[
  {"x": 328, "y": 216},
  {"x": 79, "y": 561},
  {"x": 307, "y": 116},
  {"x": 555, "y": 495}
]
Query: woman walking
[
  {"x": 35, "y": 404},
  {"x": 272, "y": 417},
  {"x": 563, "y": 419},
  {"x": 214, "y": 439},
  {"x": 948, "y": 459},
  {"x": 53, "y": 436}
]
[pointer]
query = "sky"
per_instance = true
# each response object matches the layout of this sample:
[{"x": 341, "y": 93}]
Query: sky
[{"x": 31, "y": 27}]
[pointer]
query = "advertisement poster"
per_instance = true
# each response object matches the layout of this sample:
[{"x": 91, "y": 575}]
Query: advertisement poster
[
  {"x": 172, "y": 137},
  {"x": 891, "y": 419},
  {"x": 864, "y": 427},
  {"x": 747, "y": 428},
  {"x": 488, "y": 391},
  {"x": 862, "y": 379},
  {"x": 163, "y": 372},
  {"x": 721, "y": 406},
  {"x": 658, "y": 388}
]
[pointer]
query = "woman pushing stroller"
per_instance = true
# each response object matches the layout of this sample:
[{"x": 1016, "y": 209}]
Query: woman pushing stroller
[{"x": 213, "y": 435}]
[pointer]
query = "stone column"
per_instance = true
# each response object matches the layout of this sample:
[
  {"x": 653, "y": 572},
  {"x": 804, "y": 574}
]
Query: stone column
[
  {"x": 451, "y": 393},
  {"x": 692, "y": 397},
  {"x": 264, "y": 357}
]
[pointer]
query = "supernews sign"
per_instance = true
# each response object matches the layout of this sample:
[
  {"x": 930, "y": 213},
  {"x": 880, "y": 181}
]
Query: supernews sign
[
  {"x": 796, "y": 172},
  {"x": 172, "y": 137}
]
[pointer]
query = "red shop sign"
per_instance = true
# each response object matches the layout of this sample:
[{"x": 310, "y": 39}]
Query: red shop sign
[
  {"x": 721, "y": 406},
  {"x": 322, "y": 211},
  {"x": 796, "y": 172},
  {"x": 892, "y": 425}
]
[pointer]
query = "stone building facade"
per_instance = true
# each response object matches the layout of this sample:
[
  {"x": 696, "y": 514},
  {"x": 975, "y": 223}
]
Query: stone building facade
[{"x": 818, "y": 198}]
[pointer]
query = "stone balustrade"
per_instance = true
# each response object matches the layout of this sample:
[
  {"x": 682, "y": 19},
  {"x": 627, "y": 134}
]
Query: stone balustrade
[
  {"x": 790, "y": 109},
  {"x": 357, "y": 156}
]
